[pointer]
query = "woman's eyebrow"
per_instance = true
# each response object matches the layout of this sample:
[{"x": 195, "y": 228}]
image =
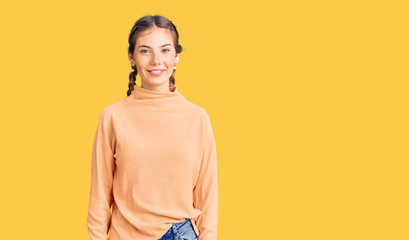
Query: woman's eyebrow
[{"x": 150, "y": 47}]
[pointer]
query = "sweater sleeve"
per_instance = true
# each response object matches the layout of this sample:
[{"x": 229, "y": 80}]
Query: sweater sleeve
[
  {"x": 205, "y": 193},
  {"x": 102, "y": 171}
]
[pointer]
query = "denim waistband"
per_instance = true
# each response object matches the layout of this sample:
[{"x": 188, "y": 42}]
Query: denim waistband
[{"x": 179, "y": 227}]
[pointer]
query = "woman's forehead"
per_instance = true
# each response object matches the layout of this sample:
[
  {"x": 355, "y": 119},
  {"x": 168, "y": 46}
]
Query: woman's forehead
[{"x": 154, "y": 37}]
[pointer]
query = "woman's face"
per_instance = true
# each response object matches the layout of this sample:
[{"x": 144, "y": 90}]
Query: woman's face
[{"x": 154, "y": 49}]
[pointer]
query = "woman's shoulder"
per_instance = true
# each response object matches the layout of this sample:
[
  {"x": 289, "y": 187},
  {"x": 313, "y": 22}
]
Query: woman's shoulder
[
  {"x": 112, "y": 108},
  {"x": 198, "y": 109}
]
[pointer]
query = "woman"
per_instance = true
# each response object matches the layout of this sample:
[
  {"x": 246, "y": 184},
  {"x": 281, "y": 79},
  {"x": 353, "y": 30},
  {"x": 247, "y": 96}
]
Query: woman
[{"x": 154, "y": 153}]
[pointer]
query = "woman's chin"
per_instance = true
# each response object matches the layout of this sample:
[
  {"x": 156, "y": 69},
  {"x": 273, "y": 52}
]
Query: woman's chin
[{"x": 156, "y": 81}]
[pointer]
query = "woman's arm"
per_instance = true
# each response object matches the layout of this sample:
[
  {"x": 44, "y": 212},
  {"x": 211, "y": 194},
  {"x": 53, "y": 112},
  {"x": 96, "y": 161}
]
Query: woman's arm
[
  {"x": 103, "y": 164},
  {"x": 205, "y": 193}
]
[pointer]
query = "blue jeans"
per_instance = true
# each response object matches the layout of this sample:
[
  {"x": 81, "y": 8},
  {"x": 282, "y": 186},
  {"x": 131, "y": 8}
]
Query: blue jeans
[{"x": 180, "y": 231}]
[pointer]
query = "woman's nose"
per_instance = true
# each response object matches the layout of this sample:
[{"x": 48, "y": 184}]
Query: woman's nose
[{"x": 155, "y": 58}]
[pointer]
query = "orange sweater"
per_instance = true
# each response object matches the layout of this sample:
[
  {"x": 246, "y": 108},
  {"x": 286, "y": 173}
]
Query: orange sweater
[{"x": 154, "y": 160}]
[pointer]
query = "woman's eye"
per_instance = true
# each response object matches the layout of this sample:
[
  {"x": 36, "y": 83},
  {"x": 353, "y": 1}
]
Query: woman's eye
[{"x": 144, "y": 51}]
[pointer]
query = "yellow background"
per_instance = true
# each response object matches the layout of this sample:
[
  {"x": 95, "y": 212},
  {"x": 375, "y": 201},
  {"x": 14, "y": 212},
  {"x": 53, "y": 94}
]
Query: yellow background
[{"x": 308, "y": 101}]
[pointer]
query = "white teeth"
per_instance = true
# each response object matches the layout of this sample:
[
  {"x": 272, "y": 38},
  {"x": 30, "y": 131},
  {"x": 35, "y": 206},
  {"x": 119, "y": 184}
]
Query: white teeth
[{"x": 156, "y": 71}]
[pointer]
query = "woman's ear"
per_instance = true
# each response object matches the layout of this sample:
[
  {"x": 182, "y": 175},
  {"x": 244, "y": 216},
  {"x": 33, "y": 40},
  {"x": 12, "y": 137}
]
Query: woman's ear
[
  {"x": 130, "y": 56},
  {"x": 177, "y": 58}
]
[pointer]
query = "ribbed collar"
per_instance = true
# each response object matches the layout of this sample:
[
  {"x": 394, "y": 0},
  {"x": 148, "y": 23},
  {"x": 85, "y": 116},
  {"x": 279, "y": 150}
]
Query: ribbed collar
[{"x": 143, "y": 93}]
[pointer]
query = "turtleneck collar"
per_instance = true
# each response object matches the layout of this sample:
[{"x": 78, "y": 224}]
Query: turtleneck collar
[{"x": 143, "y": 93}]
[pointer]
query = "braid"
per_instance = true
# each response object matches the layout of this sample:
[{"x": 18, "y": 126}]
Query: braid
[
  {"x": 172, "y": 79},
  {"x": 132, "y": 79}
]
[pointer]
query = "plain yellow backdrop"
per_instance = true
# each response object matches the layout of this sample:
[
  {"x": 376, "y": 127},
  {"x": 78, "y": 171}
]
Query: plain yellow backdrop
[{"x": 308, "y": 102}]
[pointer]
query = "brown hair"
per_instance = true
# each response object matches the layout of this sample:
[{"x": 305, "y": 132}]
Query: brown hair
[{"x": 142, "y": 24}]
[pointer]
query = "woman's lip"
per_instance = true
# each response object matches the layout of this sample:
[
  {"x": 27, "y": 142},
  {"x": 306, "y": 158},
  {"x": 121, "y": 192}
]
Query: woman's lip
[{"x": 155, "y": 74}]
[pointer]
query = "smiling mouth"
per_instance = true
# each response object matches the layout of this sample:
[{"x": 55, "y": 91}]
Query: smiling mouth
[{"x": 156, "y": 72}]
